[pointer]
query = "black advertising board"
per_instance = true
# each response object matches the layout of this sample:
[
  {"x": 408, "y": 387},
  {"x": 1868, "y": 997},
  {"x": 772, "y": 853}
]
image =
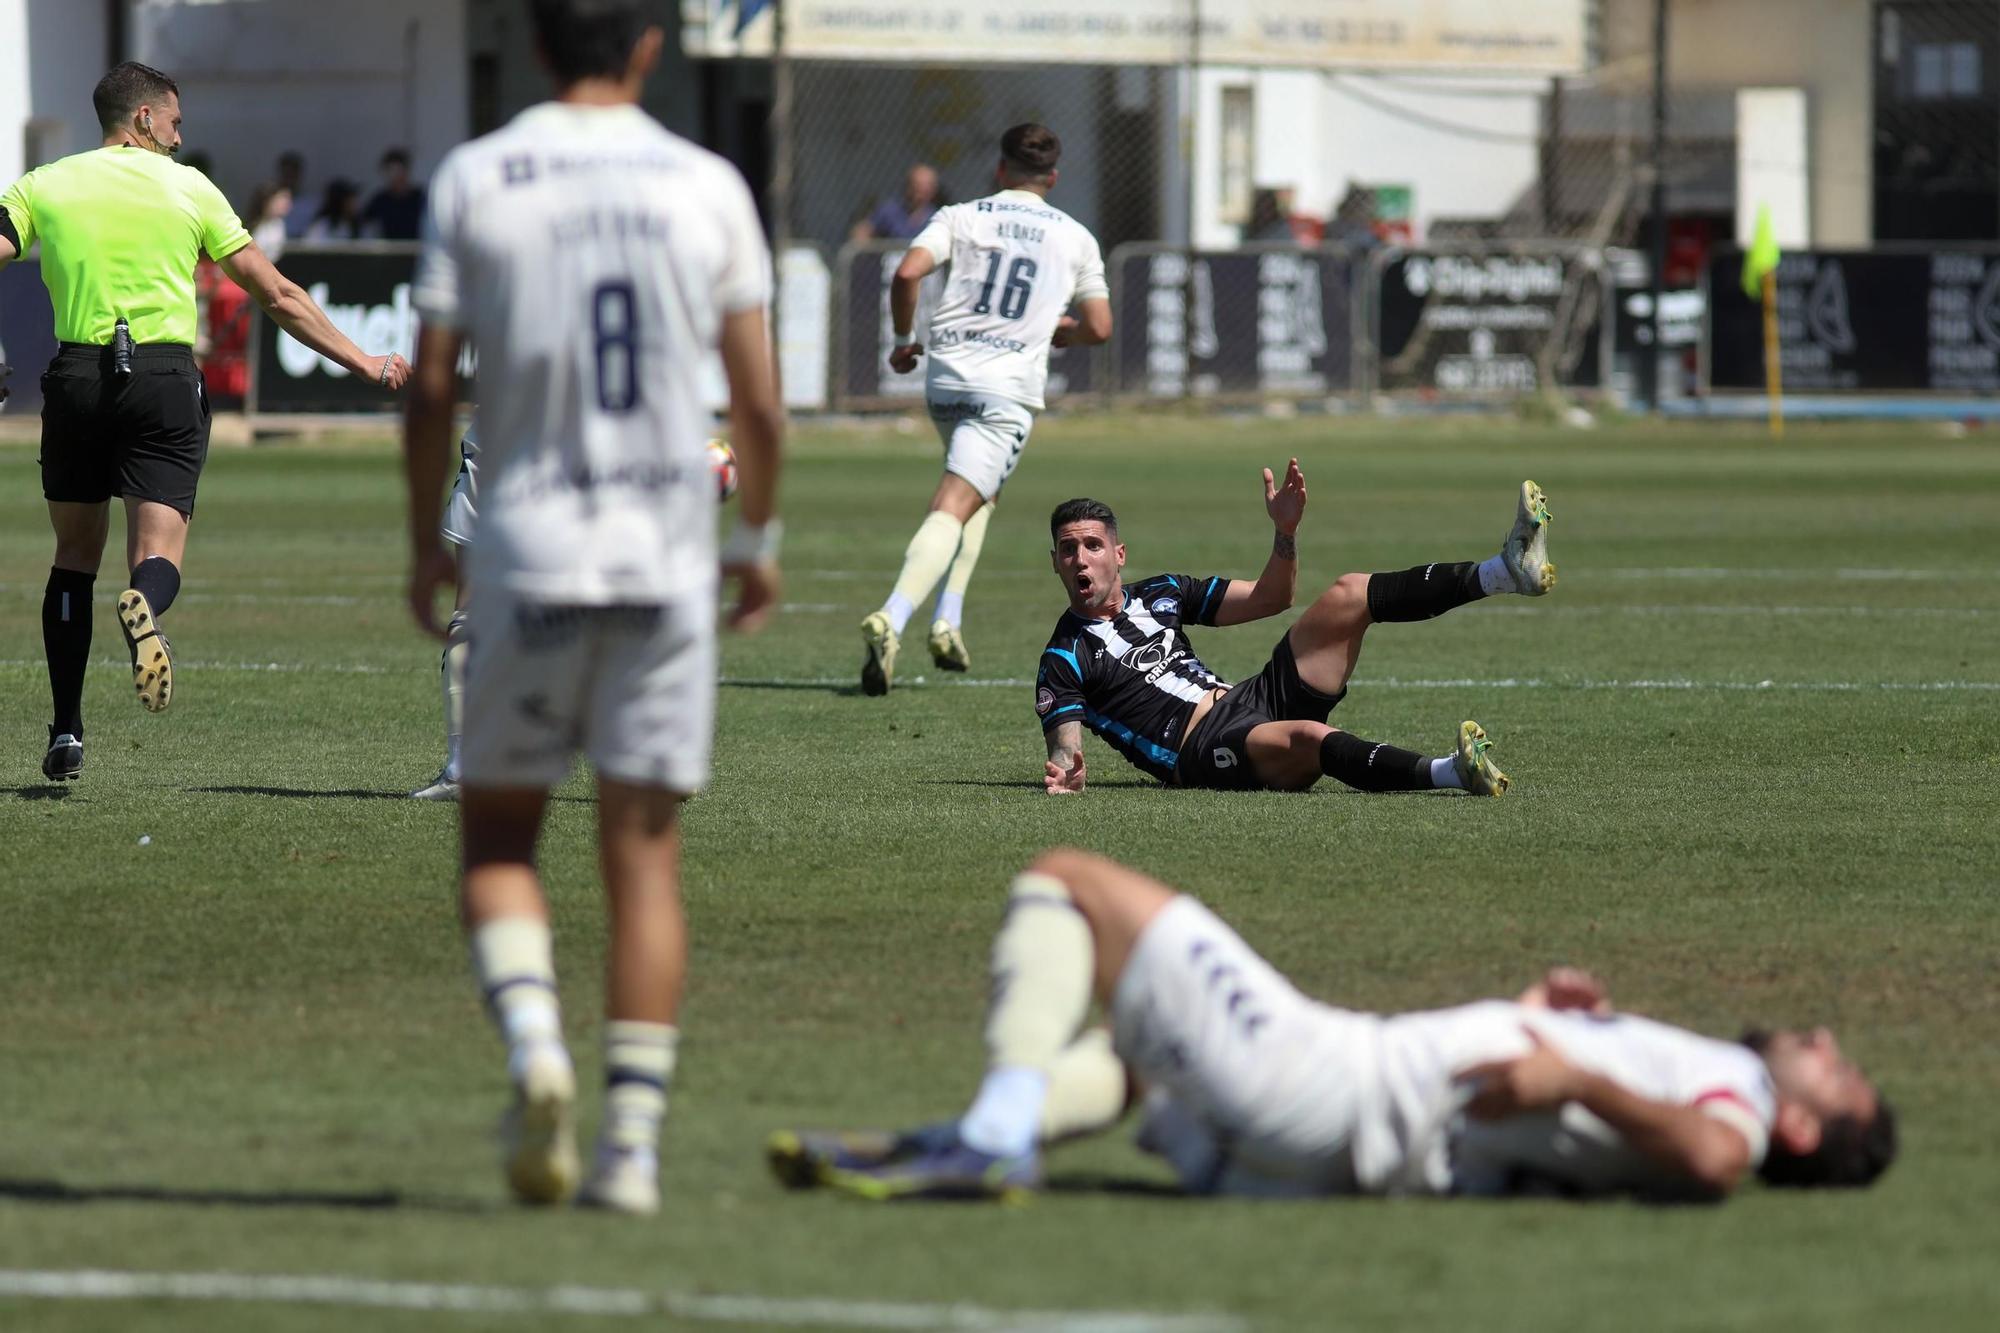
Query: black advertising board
[
  {"x": 868, "y": 335},
  {"x": 1862, "y": 320},
  {"x": 1268, "y": 320},
  {"x": 366, "y": 293},
  {"x": 27, "y": 335},
  {"x": 1488, "y": 324}
]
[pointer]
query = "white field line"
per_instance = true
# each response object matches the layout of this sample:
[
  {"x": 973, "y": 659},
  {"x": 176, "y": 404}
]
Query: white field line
[
  {"x": 1017, "y": 682},
  {"x": 609, "y": 1302}
]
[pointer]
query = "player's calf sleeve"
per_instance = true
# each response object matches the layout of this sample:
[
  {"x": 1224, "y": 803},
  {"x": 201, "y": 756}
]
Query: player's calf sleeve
[
  {"x": 1422, "y": 592},
  {"x": 638, "y": 1070},
  {"x": 1087, "y": 1089},
  {"x": 972, "y": 540},
  {"x": 514, "y": 959},
  {"x": 66, "y": 644},
  {"x": 1371, "y": 766},
  {"x": 1042, "y": 964},
  {"x": 929, "y": 554},
  {"x": 451, "y": 680},
  {"x": 159, "y": 579}
]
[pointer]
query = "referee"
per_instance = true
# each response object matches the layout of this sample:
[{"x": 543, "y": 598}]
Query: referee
[{"x": 124, "y": 409}]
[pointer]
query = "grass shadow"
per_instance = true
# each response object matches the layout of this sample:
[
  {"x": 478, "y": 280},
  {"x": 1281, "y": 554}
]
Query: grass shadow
[
  {"x": 41, "y": 791},
  {"x": 346, "y": 793},
  {"x": 814, "y": 686},
  {"x": 56, "y": 1192}
]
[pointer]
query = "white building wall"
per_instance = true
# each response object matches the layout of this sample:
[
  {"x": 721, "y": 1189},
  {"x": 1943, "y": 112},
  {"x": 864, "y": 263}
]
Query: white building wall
[
  {"x": 13, "y": 88},
  {"x": 1467, "y": 146},
  {"x": 52, "y": 53},
  {"x": 337, "y": 82}
]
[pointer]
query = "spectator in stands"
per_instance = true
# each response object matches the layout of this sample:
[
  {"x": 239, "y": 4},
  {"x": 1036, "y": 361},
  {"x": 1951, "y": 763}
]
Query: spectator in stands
[
  {"x": 270, "y": 207},
  {"x": 1354, "y": 220},
  {"x": 292, "y": 180},
  {"x": 900, "y": 219},
  {"x": 396, "y": 211},
  {"x": 339, "y": 215},
  {"x": 1269, "y": 216}
]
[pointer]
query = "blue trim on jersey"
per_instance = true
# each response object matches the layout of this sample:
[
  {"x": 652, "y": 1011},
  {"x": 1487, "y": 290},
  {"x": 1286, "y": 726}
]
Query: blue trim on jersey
[
  {"x": 1069, "y": 657},
  {"x": 1159, "y": 754},
  {"x": 1212, "y": 585},
  {"x": 1067, "y": 708}
]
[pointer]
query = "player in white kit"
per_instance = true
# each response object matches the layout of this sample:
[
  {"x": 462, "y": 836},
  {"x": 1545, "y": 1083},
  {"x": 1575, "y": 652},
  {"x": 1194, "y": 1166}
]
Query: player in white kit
[
  {"x": 1250, "y": 1087},
  {"x": 594, "y": 259},
  {"x": 1017, "y": 266}
]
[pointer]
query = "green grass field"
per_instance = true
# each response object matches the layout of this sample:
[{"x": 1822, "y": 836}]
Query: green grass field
[{"x": 1755, "y": 749}]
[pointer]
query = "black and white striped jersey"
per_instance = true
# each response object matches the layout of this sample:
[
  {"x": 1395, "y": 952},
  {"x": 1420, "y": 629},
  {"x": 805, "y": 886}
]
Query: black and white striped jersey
[{"x": 1133, "y": 679}]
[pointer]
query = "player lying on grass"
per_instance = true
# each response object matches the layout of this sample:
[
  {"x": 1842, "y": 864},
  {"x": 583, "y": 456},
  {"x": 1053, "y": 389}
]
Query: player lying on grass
[
  {"x": 1250, "y": 1087},
  {"x": 1120, "y": 662}
]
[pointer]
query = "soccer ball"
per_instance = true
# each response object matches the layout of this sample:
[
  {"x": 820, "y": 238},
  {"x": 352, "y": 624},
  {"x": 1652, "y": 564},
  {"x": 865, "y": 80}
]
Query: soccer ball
[{"x": 722, "y": 462}]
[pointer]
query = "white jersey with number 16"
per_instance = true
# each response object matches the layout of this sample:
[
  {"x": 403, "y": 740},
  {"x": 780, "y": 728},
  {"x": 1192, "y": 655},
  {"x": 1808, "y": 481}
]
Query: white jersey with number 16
[
  {"x": 1017, "y": 264},
  {"x": 590, "y": 257}
]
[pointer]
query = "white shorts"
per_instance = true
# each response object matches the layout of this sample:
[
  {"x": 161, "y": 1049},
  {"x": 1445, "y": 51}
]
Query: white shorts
[
  {"x": 1252, "y": 1086},
  {"x": 461, "y": 513},
  {"x": 983, "y": 436},
  {"x": 633, "y": 687}
]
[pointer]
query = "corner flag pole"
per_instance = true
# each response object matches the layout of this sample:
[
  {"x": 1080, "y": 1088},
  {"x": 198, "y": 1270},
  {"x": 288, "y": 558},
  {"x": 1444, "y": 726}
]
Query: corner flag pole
[{"x": 1773, "y": 368}]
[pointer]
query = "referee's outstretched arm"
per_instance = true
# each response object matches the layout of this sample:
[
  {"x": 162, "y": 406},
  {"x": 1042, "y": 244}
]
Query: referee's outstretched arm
[{"x": 299, "y": 315}]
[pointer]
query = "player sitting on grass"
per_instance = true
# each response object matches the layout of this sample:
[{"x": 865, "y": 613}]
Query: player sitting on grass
[
  {"x": 1120, "y": 662},
  {"x": 1250, "y": 1087}
]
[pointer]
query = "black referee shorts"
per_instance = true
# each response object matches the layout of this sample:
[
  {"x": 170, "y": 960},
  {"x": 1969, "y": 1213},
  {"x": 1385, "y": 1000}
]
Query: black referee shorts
[
  {"x": 1217, "y": 755},
  {"x": 143, "y": 435}
]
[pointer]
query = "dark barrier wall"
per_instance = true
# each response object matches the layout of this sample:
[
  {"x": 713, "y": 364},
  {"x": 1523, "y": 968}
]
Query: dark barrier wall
[
  {"x": 1263, "y": 320},
  {"x": 1862, "y": 320},
  {"x": 366, "y": 293},
  {"x": 1488, "y": 324},
  {"x": 867, "y": 336},
  {"x": 27, "y": 335}
]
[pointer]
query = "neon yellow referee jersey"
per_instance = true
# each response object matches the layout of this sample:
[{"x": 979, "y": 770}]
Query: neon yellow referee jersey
[{"x": 121, "y": 231}]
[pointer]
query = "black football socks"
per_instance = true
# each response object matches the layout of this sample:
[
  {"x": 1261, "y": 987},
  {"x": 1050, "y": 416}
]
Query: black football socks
[
  {"x": 1422, "y": 592},
  {"x": 159, "y": 580},
  {"x": 1372, "y": 766},
  {"x": 66, "y": 643}
]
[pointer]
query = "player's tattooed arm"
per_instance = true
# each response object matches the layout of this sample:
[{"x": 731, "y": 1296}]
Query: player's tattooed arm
[
  {"x": 1285, "y": 546},
  {"x": 1274, "y": 589},
  {"x": 1063, "y": 774}
]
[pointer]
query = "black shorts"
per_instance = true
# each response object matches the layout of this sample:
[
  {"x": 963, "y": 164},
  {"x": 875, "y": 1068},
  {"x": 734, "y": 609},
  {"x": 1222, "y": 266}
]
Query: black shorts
[
  {"x": 143, "y": 435},
  {"x": 1217, "y": 754}
]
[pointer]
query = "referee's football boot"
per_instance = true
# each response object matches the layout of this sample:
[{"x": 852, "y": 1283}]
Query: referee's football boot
[
  {"x": 152, "y": 656},
  {"x": 64, "y": 761},
  {"x": 928, "y": 1170},
  {"x": 948, "y": 647},
  {"x": 1474, "y": 765},
  {"x": 538, "y": 1133},
  {"x": 879, "y": 670},
  {"x": 1526, "y": 550},
  {"x": 801, "y": 1158}
]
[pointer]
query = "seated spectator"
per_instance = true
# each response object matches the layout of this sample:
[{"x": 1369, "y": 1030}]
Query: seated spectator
[
  {"x": 270, "y": 206},
  {"x": 1268, "y": 220},
  {"x": 339, "y": 215},
  {"x": 902, "y": 218},
  {"x": 292, "y": 180},
  {"x": 396, "y": 211}
]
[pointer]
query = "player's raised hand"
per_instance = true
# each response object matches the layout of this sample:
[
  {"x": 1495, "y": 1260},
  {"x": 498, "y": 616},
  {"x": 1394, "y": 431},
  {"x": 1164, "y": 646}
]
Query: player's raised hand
[
  {"x": 431, "y": 571},
  {"x": 903, "y": 359},
  {"x": 1058, "y": 781},
  {"x": 1537, "y": 1081},
  {"x": 1286, "y": 504}
]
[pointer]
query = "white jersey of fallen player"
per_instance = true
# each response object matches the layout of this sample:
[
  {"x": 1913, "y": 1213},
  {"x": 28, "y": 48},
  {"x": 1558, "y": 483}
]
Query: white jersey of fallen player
[
  {"x": 1017, "y": 263},
  {"x": 590, "y": 257},
  {"x": 1416, "y": 1139}
]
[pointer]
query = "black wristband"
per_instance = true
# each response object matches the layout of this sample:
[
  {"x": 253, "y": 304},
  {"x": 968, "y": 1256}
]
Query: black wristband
[{"x": 7, "y": 230}]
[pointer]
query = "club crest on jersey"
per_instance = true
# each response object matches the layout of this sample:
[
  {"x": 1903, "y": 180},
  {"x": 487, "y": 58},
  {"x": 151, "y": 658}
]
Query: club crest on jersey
[
  {"x": 1167, "y": 606},
  {"x": 1045, "y": 699}
]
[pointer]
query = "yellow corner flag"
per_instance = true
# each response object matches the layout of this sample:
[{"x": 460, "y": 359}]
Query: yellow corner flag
[{"x": 1762, "y": 256}]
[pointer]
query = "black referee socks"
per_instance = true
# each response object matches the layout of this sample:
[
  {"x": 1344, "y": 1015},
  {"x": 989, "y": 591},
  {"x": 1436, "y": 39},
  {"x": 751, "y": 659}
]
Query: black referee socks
[
  {"x": 66, "y": 643},
  {"x": 1369, "y": 766},
  {"x": 1423, "y": 592},
  {"x": 160, "y": 580}
]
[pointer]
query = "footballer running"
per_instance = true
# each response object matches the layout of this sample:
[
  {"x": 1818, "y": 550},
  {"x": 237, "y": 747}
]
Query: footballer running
[
  {"x": 1120, "y": 661},
  {"x": 1017, "y": 264},
  {"x": 1250, "y": 1087}
]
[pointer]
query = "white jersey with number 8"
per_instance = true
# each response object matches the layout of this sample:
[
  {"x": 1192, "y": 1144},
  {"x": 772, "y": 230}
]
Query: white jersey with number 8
[
  {"x": 590, "y": 257},
  {"x": 1017, "y": 264}
]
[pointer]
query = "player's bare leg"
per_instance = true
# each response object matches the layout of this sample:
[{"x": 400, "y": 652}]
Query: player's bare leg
[
  {"x": 80, "y": 532},
  {"x": 925, "y": 561},
  {"x": 507, "y": 927},
  {"x": 947, "y": 637},
  {"x": 639, "y": 851},
  {"x": 1072, "y": 922},
  {"x": 155, "y": 548}
]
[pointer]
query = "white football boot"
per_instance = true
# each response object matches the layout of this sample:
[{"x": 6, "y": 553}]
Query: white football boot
[{"x": 1526, "y": 550}]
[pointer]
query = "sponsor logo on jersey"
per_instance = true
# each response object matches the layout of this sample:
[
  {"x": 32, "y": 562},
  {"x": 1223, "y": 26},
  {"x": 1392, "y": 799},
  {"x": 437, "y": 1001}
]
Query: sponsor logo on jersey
[
  {"x": 1045, "y": 699},
  {"x": 1155, "y": 657}
]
